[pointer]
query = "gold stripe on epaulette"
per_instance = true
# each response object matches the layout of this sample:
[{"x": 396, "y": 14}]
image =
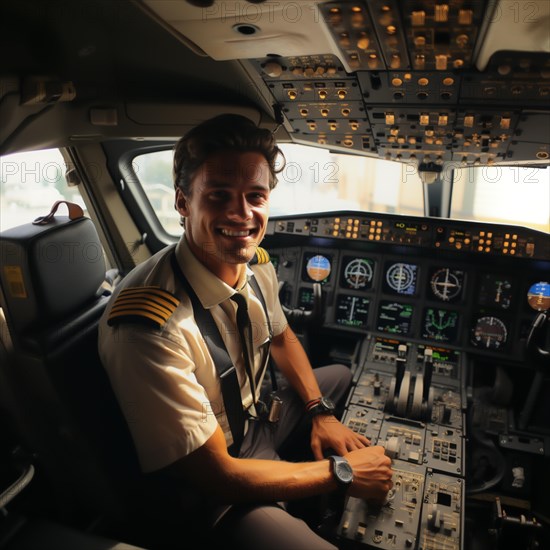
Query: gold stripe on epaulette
[
  {"x": 152, "y": 290},
  {"x": 262, "y": 256},
  {"x": 150, "y": 305}
]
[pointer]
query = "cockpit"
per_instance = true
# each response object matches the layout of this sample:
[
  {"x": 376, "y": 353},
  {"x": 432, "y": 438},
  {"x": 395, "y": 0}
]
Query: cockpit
[{"x": 409, "y": 230}]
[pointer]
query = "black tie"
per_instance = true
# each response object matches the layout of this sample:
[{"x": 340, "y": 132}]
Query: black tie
[{"x": 245, "y": 332}]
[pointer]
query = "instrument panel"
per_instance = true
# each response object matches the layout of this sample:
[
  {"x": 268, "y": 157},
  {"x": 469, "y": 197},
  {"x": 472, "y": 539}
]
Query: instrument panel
[
  {"x": 415, "y": 290},
  {"x": 428, "y": 305},
  {"x": 409, "y": 398}
]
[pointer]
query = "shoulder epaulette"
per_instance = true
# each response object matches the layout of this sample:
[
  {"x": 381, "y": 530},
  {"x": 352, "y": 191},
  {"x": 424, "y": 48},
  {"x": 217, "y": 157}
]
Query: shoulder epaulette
[
  {"x": 261, "y": 256},
  {"x": 146, "y": 304}
]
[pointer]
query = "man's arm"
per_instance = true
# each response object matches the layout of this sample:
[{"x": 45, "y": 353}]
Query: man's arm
[
  {"x": 328, "y": 432},
  {"x": 227, "y": 479}
]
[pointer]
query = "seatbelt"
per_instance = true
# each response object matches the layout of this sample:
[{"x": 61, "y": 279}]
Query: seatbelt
[
  {"x": 224, "y": 365},
  {"x": 258, "y": 292}
]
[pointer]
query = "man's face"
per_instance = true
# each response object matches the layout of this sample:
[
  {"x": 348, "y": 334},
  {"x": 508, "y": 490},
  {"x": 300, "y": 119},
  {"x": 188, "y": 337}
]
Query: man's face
[{"x": 227, "y": 210}]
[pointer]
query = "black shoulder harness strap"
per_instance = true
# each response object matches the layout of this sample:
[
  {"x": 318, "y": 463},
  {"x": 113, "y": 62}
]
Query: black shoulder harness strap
[{"x": 224, "y": 365}]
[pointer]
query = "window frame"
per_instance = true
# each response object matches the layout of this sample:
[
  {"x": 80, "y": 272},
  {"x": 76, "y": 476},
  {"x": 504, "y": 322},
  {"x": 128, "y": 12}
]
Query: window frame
[{"x": 120, "y": 155}]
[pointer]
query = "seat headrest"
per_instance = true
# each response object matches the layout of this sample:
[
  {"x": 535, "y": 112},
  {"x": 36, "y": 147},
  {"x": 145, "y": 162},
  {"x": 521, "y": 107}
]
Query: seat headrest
[{"x": 50, "y": 269}]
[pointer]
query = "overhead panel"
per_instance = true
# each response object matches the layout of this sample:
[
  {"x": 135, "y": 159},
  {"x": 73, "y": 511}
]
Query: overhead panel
[{"x": 423, "y": 81}]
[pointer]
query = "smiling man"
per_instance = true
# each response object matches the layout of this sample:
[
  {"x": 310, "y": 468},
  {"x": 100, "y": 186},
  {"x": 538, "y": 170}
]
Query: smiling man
[
  {"x": 226, "y": 212},
  {"x": 190, "y": 419}
]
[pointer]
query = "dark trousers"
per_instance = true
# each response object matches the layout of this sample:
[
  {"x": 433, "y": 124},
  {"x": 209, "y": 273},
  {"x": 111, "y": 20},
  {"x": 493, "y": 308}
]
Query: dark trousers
[{"x": 270, "y": 526}]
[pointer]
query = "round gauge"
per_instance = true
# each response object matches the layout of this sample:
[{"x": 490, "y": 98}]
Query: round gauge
[
  {"x": 440, "y": 324},
  {"x": 495, "y": 290},
  {"x": 538, "y": 296},
  {"x": 358, "y": 273},
  {"x": 318, "y": 268},
  {"x": 489, "y": 332},
  {"x": 401, "y": 278},
  {"x": 446, "y": 284}
]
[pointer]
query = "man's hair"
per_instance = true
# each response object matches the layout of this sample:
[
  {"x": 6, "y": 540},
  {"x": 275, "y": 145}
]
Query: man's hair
[{"x": 223, "y": 133}]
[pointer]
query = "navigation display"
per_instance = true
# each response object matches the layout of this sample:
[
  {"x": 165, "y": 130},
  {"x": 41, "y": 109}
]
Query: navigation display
[
  {"x": 400, "y": 278},
  {"x": 316, "y": 267},
  {"x": 440, "y": 324},
  {"x": 357, "y": 273},
  {"x": 446, "y": 284},
  {"x": 394, "y": 317},
  {"x": 495, "y": 290},
  {"x": 352, "y": 311}
]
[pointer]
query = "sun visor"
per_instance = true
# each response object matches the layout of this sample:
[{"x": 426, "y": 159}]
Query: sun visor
[{"x": 245, "y": 30}]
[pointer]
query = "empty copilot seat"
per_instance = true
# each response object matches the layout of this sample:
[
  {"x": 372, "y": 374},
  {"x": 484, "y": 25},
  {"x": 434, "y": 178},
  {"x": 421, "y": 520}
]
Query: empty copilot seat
[{"x": 53, "y": 293}]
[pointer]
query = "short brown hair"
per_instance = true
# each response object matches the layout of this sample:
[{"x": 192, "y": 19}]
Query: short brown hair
[{"x": 222, "y": 133}]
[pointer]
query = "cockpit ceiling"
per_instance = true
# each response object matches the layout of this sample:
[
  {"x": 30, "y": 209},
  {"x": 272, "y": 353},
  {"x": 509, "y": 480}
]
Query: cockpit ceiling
[{"x": 424, "y": 81}]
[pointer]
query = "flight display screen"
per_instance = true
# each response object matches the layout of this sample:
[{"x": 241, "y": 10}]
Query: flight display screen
[
  {"x": 394, "y": 317},
  {"x": 316, "y": 267},
  {"x": 440, "y": 324},
  {"x": 400, "y": 278},
  {"x": 446, "y": 284},
  {"x": 382, "y": 345},
  {"x": 357, "y": 273},
  {"x": 352, "y": 311},
  {"x": 305, "y": 298},
  {"x": 496, "y": 290}
]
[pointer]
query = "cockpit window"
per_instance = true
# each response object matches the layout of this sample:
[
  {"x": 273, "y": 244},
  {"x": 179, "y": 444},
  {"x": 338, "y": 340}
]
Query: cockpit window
[
  {"x": 313, "y": 180},
  {"x": 318, "y": 180},
  {"x": 503, "y": 194},
  {"x": 154, "y": 172}
]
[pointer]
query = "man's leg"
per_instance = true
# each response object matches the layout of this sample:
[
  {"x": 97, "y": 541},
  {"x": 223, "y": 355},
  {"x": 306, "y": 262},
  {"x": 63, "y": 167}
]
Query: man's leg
[
  {"x": 263, "y": 439},
  {"x": 269, "y": 527}
]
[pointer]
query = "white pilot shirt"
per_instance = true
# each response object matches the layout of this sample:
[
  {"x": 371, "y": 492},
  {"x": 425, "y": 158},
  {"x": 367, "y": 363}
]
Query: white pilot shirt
[{"x": 163, "y": 376}]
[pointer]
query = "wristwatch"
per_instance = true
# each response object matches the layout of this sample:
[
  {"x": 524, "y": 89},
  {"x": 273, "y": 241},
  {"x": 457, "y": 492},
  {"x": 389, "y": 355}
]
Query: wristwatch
[
  {"x": 342, "y": 471},
  {"x": 325, "y": 405}
]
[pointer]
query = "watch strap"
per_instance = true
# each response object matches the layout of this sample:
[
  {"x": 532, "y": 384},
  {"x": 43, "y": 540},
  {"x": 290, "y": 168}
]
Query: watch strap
[{"x": 321, "y": 405}]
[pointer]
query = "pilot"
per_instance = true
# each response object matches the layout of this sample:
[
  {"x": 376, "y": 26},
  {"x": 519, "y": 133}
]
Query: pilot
[{"x": 215, "y": 432}]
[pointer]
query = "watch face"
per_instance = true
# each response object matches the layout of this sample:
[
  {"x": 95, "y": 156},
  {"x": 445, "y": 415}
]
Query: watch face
[
  {"x": 342, "y": 470},
  {"x": 327, "y": 403}
]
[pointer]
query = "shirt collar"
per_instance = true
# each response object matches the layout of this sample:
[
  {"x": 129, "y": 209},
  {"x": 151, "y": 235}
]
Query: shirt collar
[{"x": 210, "y": 290}]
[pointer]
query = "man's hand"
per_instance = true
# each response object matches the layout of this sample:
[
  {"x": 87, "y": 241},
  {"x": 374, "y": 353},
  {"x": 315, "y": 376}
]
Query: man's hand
[
  {"x": 329, "y": 433},
  {"x": 372, "y": 473}
]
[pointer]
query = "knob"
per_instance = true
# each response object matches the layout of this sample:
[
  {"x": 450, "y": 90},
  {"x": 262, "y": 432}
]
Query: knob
[
  {"x": 391, "y": 449},
  {"x": 402, "y": 350},
  {"x": 273, "y": 69}
]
